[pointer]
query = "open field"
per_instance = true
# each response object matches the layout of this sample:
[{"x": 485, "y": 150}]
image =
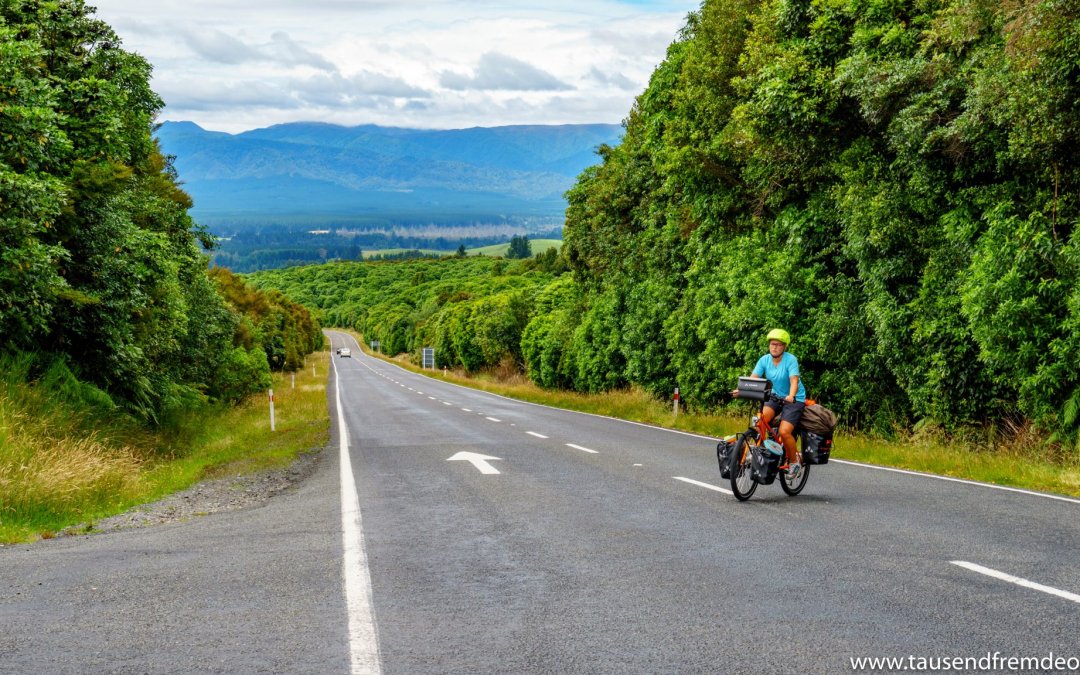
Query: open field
[{"x": 538, "y": 247}]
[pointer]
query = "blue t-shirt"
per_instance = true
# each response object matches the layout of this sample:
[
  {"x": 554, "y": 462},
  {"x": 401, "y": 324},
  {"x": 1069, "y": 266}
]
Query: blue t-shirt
[{"x": 781, "y": 374}]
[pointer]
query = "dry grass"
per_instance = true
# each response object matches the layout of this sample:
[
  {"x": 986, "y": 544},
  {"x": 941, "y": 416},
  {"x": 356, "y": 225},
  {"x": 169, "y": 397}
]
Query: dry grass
[
  {"x": 47, "y": 467},
  {"x": 60, "y": 467}
]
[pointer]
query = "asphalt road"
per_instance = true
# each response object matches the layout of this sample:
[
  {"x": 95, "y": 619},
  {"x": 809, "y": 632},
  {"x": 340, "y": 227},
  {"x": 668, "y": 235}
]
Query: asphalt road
[{"x": 582, "y": 544}]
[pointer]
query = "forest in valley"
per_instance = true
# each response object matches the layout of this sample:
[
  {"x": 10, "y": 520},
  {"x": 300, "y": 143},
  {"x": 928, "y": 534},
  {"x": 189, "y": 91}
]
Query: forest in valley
[
  {"x": 895, "y": 182},
  {"x": 102, "y": 271}
]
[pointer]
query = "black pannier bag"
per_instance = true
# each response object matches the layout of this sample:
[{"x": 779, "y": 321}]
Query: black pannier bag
[
  {"x": 815, "y": 448},
  {"x": 765, "y": 464},
  {"x": 754, "y": 389},
  {"x": 818, "y": 419},
  {"x": 723, "y": 455}
]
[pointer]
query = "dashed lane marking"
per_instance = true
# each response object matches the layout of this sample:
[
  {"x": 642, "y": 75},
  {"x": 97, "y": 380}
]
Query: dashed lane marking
[
  {"x": 700, "y": 484},
  {"x": 1016, "y": 580},
  {"x": 578, "y": 447}
]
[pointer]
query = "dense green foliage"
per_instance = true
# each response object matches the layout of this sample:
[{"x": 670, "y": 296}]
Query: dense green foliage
[
  {"x": 894, "y": 182},
  {"x": 100, "y": 263},
  {"x": 471, "y": 310}
]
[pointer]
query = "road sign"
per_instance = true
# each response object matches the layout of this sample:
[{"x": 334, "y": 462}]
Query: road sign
[{"x": 427, "y": 358}]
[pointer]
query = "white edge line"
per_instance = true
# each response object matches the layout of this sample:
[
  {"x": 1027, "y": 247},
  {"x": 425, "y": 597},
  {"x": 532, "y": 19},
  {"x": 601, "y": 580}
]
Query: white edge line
[
  {"x": 533, "y": 433},
  {"x": 959, "y": 480},
  {"x": 363, "y": 633},
  {"x": 713, "y": 438},
  {"x": 1016, "y": 580},
  {"x": 578, "y": 447},
  {"x": 700, "y": 484}
]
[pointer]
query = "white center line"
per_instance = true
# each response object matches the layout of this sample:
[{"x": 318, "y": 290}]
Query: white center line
[
  {"x": 432, "y": 398},
  {"x": 447, "y": 403},
  {"x": 578, "y": 447},
  {"x": 492, "y": 419},
  {"x": 466, "y": 410},
  {"x": 1016, "y": 580},
  {"x": 704, "y": 485},
  {"x": 533, "y": 433}
]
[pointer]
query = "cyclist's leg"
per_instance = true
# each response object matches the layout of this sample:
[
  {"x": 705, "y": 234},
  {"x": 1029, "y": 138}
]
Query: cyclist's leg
[
  {"x": 770, "y": 411},
  {"x": 789, "y": 419},
  {"x": 787, "y": 437}
]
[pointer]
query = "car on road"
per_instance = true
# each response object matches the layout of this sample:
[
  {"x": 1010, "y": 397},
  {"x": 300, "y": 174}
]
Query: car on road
[{"x": 345, "y": 351}]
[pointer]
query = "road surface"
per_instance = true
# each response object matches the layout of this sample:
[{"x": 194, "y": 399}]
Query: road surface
[{"x": 477, "y": 534}]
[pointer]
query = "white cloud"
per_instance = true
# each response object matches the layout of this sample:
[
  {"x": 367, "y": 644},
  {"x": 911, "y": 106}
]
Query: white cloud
[
  {"x": 423, "y": 63},
  {"x": 497, "y": 71}
]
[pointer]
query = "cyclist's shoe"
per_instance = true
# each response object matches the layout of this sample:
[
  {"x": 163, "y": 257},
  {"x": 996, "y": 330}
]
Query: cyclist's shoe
[{"x": 793, "y": 470}]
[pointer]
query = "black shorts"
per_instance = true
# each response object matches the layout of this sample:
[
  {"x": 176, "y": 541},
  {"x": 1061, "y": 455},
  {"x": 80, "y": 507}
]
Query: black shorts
[{"x": 789, "y": 412}]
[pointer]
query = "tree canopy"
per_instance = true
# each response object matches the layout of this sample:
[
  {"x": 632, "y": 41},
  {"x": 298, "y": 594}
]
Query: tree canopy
[
  {"x": 100, "y": 263},
  {"x": 893, "y": 182}
]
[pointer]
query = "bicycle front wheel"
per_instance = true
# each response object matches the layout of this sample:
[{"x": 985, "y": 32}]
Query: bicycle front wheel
[{"x": 742, "y": 483}]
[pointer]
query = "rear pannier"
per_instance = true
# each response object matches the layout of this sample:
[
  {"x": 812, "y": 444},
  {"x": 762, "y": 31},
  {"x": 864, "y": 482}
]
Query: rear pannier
[{"x": 815, "y": 448}]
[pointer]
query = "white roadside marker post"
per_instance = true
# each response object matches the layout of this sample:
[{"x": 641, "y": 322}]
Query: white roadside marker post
[
  {"x": 271, "y": 410},
  {"x": 676, "y": 402},
  {"x": 294, "y": 379}
]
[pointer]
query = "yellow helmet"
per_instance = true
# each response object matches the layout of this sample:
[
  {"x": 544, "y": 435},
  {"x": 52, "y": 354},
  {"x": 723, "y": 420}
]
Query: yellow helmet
[{"x": 779, "y": 334}]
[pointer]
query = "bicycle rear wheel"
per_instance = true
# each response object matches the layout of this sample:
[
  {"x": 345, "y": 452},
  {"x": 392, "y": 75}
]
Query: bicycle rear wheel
[
  {"x": 742, "y": 483},
  {"x": 794, "y": 487}
]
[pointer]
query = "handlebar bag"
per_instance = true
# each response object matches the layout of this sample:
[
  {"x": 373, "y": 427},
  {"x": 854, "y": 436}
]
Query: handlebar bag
[
  {"x": 815, "y": 448},
  {"x": 754, "y": 389}
]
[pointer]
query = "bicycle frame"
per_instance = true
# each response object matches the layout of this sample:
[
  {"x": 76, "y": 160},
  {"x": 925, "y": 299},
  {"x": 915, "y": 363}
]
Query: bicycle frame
[{"x": 743, "y": 484}]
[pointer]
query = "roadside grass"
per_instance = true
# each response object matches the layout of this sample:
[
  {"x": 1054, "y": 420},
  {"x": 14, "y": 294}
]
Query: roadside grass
[
  {"x": 1020, "y": 460},
  {"x": 65, "y": 462}
]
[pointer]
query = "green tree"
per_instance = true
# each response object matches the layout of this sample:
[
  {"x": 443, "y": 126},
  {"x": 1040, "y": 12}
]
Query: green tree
[{"x": 520, "y": 248}]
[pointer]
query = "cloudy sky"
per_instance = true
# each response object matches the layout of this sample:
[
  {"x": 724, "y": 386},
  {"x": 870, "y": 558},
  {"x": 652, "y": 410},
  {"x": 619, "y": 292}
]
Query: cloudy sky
[{"x": 232, "y": 65}]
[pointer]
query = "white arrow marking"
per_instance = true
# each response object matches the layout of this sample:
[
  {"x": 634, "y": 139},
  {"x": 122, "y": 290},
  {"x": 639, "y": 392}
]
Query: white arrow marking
[{"x": 478, "y": 460}]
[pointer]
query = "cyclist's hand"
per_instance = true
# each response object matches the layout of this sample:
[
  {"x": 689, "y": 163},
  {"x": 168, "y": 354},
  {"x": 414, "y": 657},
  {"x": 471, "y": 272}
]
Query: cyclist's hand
[
  {"x": 790, "y": 398},
  {"x": 735, "y": 393}
]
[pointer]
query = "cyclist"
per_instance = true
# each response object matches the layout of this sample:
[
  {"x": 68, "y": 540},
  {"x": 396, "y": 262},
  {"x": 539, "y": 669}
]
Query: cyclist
[{"x": 782, "y": 368}]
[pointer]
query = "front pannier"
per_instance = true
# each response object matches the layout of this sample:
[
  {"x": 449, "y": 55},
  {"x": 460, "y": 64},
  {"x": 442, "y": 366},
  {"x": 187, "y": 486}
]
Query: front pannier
[
  {"x": 815, "y": 448},
  {"x": 754, "y": 389},
  {"x": 723, "y": 455},
  {"x": 766, "y": 462}
]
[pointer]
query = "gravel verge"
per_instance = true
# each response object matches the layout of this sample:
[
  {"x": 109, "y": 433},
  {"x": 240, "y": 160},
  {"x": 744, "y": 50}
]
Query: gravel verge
[{"x": 209, "y": 496}]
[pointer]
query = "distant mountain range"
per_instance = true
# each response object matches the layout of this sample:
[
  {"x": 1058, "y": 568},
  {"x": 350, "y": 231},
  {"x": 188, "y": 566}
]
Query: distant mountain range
[{"x": 311, "y": 173}]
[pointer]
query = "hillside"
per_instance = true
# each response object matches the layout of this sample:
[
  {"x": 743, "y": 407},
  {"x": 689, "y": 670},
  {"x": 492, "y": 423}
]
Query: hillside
[{"x": 368, "y": 175}]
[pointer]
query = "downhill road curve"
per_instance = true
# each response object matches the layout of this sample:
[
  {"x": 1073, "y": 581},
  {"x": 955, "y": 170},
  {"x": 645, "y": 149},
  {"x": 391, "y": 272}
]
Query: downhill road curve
[{"x": 500, "y": 536}]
